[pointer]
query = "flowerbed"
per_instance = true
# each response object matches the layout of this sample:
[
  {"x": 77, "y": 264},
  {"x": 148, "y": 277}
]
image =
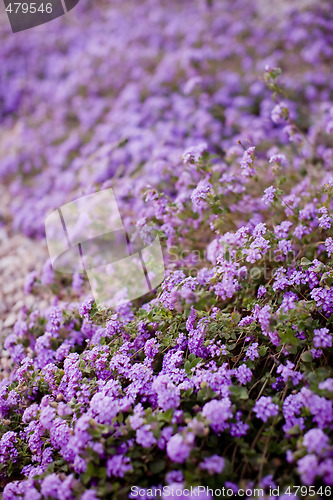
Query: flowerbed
[{"x": 223, "y": 376}]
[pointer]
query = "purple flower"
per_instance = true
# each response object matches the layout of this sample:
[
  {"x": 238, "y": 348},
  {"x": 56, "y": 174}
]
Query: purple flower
[
  {"x": 280, "y": 113},
  {"x": 315, "y": 441},
  {"x": 7, "y": 448},
  {"x": 280, "y": 159},
  {"x": 243, "y": 374},
  {"x": 329, "y": 246},
  {"x": 247, "y": 162},
  {"x": 165, "y": 436},
  {"x": 47, "y": 273},
  {"x": 289, "y": 372},
  {"x": 168, "y": 395},
  {"x": 252, "y": 351},
  {"x": 285, "y": 246},
  {"x": 151, "y": 348},
  {"x": 326, "y": 385},
  {"x": 288, "y": 301},
  {"x": 264, "y": 408},
  {"x": 190, "y": 85},
  {"x": 194, "y": 154},
  {"x": 267, "y": 482},
  {"x": 47, "y": 416},
  {"x": 268, "y": 196},
  {"x": 217, "y": 413},
  {"x": 261, "y": 292},
  {"x": 179, "y": 447},
  {"x": 30, "y": 281},
  {"x": 213, "y": 464},
  {"x": 329, "y": 127},
  {"x": 85, "y": 309},
  {"x": 282, "y": 230},
  {"x": 239, "y": 428},
  {"x": 322, "y": 338},
  {"x": 30, "y": 413},
  {"x": 13, "y": 490},
  {"x": 145, "y": 437},
  {"x": 258, "y": 248},
  {"x": 308, "y": 469},
  {"x": 118, "y": 466},
  {"x": 325, "y": 220},
  {"x": 325, "y": 470},
  {"x": 264, "y": 317},
  {"x": 136, "y": 420},
  {"x": 151, "y": 80},
  {"x": 51, "y": 486},
  {"x": 199, "y": 195},
  {"x": 175, "y": 476},
  {"x": 77, "y": 282},
  {"x": 89, "y": 495},
  {"x": 259, "y": 230}
]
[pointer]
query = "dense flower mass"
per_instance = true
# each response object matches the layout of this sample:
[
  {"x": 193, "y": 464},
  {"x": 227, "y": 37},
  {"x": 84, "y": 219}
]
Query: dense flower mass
[{"x": 212, "y": 121}]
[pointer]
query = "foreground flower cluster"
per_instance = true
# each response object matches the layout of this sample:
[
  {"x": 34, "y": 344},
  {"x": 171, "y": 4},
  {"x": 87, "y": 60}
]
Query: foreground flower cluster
[{"x": 223, "y": 376}]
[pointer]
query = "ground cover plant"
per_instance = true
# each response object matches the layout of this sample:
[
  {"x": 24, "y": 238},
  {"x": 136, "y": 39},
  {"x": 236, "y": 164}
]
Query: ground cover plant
[{"x": 213, "y": 122}]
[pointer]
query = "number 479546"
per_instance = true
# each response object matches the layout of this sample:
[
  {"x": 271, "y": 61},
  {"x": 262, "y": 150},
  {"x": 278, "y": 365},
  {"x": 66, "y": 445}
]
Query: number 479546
[
  {"x": 31, "y": 8},
  {"x": 309, "y": 491}
]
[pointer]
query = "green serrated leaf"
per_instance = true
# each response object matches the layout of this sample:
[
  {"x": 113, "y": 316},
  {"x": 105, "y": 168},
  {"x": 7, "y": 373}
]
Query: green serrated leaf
[
  {"x": 307, "y": 357},
  {"x": 238, "y": 392}
]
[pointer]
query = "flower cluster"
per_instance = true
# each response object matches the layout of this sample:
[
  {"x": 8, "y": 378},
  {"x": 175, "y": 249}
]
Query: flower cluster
[{"x": 222, "y": 376}]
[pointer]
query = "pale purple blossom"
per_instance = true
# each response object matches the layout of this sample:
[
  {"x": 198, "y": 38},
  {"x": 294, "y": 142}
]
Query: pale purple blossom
[
  {"x": 179, "y": 448},
  {"x": 265, "y": 408},
  {"x": 268, "y": 196},
  {"x": 213, "y": 464},
  {"x": 247, "y": 162}
]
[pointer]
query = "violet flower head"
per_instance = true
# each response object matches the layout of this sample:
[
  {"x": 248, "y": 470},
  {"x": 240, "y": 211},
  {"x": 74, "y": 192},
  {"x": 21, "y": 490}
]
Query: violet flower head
[
  {"x": 280, "y": 113},
  {"x": 324, "y": 220},
  {"x": 322, "y": 338},
  {"x": 265, "y": 409},
  {"x": 213, "y": 464},
  {"x": 243, "y": 374},
  {"x": 247, "y": 161},
  {"x": 179, "y": 448},
  {"x": 118, "y": 465},
  {"x": 200, "y": 194},
  {"x": 193, "y": 154},
  {"x": 85, "y": 309},
  {"x": 308, "y": 468},
  {"x": 329, "y": 245},
  {"x": 145, "y": 437},
  {"x": 217, "y": 413},
  {"x": 315, "y": 441},
  {"x": 268, "y": 196},
  {"x": 280, "y": 159}
]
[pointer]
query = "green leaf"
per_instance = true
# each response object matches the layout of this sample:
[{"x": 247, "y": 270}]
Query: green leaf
[
  {"x": 307, "y": 357},
  {"x": 318, "y": 267},
  {"x": 195, "y": 362},
  {"x": 294, "y": 431},
  {"x": 187, "y": 367},
  {"x": 326, "y": 279},
  {"x": 238, "y": 392},
  {"x": 157, "y": 466},
  {"x": 236, "y": 317},
  {"x": 263, "y": 350},
  {"x": 186, "y": 394},
  {"x": 90, "y": 472}
]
